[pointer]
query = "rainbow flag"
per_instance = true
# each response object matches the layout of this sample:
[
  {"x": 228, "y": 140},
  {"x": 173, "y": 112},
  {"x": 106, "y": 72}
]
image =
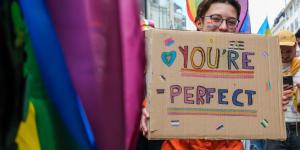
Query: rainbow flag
[
  {"x": 246, "y": 28},
  {"x": 244, "y": 25},
  {"x": 55, "y": 76},
  {"x": 83, "y": 58},
  {"x": 11, "y": 77},
  {"x": 41, "y": 127},
  {"x": 265, "y": 28},
  {"x": 192, "y": 6}
]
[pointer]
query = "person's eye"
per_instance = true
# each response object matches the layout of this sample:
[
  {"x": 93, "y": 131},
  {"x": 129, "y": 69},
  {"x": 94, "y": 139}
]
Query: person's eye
[
  {"x": 231, "y": 22},
  {"x": 216, "y": 19}
]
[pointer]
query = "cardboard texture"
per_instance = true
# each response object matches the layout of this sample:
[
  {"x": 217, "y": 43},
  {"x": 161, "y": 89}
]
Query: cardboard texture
[{"x": 203, "y": 85}]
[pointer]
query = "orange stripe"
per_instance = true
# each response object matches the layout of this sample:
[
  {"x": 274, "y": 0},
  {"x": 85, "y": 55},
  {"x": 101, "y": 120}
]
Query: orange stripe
[
  {"x": 218, "y": 71},
  {"x": 219, "y": 76},
  {"x": 216, "y": 74},
  {"x": 189, "y": 11}
]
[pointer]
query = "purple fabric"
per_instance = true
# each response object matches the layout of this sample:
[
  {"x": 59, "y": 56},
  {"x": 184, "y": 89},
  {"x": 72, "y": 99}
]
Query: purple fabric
[
  {"x": 134, "y": 64},
  {"x": 104, "y": 52},
  {"x": 244, "y": 13}
]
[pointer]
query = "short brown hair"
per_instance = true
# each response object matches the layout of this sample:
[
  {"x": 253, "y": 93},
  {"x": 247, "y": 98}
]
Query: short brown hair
[{"x": 205, "y": 5}]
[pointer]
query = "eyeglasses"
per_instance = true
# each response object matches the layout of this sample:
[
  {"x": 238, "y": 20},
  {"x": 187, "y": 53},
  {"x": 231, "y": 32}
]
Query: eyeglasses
[{"x": 218, "y": 20}]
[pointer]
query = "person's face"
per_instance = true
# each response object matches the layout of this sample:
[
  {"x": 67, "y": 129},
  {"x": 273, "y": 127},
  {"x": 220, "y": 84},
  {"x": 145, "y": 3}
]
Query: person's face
[
  {"x": 287, "y": 53},
  {"x": 220, "y": 17}
]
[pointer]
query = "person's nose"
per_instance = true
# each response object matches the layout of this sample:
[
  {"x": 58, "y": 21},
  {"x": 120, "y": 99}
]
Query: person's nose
[{"x": 223, "y": 27}]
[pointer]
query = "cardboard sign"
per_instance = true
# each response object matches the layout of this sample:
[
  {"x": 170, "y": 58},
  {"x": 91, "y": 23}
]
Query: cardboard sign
[{"x": 203, "y": 85}]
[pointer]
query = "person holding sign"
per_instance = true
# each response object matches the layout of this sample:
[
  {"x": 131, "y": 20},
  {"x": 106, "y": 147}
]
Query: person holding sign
[
  {"x": 212, "y": 16},
  {"x": 291, "y": 73}
]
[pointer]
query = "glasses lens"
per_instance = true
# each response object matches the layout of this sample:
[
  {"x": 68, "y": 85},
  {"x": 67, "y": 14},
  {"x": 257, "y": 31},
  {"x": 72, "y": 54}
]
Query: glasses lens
[
  {"x": 216, "y": 18},
  {"x": 232, "y": 22}
]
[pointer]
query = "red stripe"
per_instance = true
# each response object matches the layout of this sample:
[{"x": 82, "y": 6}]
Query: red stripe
[{"x": 211, "y": 114}]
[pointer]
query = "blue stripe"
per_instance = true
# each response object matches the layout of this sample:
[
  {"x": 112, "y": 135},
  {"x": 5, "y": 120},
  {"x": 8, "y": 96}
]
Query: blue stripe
[
  {"x": 246, "y": 27},
  {"x": 54, "y": 70},
  {"x": 264, "y": 27}
]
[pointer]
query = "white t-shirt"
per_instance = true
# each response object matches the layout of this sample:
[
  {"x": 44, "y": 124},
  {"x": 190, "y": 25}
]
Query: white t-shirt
[{"x": 291, "y": 115}]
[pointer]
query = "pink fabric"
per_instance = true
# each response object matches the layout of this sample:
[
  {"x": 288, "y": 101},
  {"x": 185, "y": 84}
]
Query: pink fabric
[
  {"x": 104, "y": 52},
  {"x": 134, "y": 63}
]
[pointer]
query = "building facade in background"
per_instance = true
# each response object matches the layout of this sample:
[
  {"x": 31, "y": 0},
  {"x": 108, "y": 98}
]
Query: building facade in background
[
  {"x": 166, "y": 14},
  {"x": 288, "y": 18}
]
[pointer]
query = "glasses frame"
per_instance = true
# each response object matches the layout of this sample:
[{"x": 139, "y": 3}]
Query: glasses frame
[{"x": 222, "y": 19}]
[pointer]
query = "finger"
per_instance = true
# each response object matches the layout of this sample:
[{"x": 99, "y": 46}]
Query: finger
[
  {"x": 285, "y": 102},
  {"x": 145, "y": 133},
  {"x": 141, "y": 126},
  {"x": 144, "y": 119},
  {"x": 286, "y": 92},
  {"x": 145, "y": 113},
  {"x": 284, "y": 108},
  {"x": 290, "y": 87},
  {"x": 285, "y": 98},
  {"x": 287, "y": 87},
  {"x": 144, "y": 126}
]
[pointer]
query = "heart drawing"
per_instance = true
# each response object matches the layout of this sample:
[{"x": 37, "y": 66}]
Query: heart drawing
[{"x": 168, "y": 57}]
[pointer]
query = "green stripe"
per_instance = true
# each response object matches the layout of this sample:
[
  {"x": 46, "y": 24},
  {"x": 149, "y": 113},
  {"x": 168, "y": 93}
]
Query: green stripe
[
  {"x": 269, "y": 85},
  {"x": 53, "y": 135},
  {"x": 264, "y": 123}
]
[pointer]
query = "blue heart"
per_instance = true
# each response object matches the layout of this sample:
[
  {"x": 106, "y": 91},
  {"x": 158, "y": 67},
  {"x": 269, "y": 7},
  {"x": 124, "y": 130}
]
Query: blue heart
[{"x": 168, "y": 57}]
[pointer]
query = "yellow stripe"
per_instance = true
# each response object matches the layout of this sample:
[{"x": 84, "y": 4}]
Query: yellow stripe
[
  {"x": 268, "y": 32},
  {"x": 27, "y": 137},
  {"x": 193, "y": 7}
]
